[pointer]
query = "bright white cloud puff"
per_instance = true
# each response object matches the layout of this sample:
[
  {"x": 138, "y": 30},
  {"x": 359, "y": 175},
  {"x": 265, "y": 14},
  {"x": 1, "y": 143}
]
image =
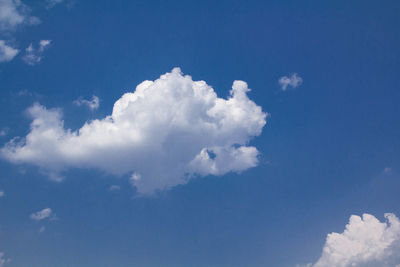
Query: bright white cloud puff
[
  {"x": 7, "y": 53},
  {"x": 293, "y": 81},
  {"x": 365, "y": 242},
  {"x": 162, "y": 134}
]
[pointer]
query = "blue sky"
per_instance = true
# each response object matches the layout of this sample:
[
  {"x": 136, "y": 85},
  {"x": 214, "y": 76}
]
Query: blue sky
[{"x": 283, "y": 167}]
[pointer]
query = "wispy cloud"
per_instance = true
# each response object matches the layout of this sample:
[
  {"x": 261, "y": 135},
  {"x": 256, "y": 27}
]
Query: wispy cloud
[
  {"x": 52, "y": 3},
  {"x": 14, "y": 13},
  {"x": 33, "y": 56},
  {"x": 43, "y": 214},
  {"x": 387, "y": 171},
  {"x": 292, "y": 81},
  {"x": 92, "y": 104},
  {"x": 4, "y": 132},
  {"x": 114, "y": 188},
  {"x": 135, "y": 177},
  {"x": 24, "y": 92},
  {"x": 3, "y": 260}
]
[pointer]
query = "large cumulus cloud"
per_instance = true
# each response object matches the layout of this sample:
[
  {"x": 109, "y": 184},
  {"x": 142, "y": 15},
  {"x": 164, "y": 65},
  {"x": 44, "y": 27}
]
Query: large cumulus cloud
[
  {"x": 365, "y": 242},
  {"x": 163, "y": 133}
]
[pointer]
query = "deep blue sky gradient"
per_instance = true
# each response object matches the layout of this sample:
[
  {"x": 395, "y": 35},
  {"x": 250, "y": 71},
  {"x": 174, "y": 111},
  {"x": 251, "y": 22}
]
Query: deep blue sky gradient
[{"x": 324, "y": 147}]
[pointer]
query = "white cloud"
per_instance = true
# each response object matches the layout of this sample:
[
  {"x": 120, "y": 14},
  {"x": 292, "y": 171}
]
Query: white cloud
[
  {"x": 3, "y": 260},
  {"x": 292, "y": 81},
  {"x": 7, "y": 53},
  {"x": 42, "y": 214},
  {"x": 14, "y": 13},
  {"x": 365, "y": 242},
  {"x": 91, "y": 104},
  {"x": 43, "y": 44},
  {"x": 165, "y": 132},
  {"x": 32, "y": 55},
  {"x": 114, "y": 188},
  {"x": 42, "y": 229},
  {"x": 2, "y": 194}
]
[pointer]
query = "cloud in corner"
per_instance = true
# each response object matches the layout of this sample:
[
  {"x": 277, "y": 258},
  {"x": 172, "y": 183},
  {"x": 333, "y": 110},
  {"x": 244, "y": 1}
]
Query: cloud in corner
[
  {"x": 14, "y": 13},
  {"x": 365, "y": 242},
  {"x": 3, "y": 260}
]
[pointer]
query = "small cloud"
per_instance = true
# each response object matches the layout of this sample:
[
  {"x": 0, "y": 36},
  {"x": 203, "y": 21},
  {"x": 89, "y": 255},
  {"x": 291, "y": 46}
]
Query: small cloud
[
  {"x": 33, "y": 56},
  {"x": 134, "y": 178},
  {"x": 43, "y": 44},
  {"x": 2, "y": 194},
  {"x": 293, "y": 81},
  {"x": 42, "y": 229},
  {"x": 4, "y": 132},
  {"x": 43, "y": 214},
  {"x": 52, "y": 3},
  {"x": 91, "y": 104},
  {"x": 387, "y": 171},
  {"x": 54, "y": 176},
  {"x": 114, "y": 188},
  {"x": 24, "y": 92},
  {"x": 7, "y": 53},
  {"x": 3, "y": 260}
]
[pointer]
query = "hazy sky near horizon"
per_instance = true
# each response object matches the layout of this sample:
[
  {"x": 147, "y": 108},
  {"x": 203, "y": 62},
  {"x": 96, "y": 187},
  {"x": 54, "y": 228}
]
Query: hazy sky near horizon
[{"x": 199, "y": 133}]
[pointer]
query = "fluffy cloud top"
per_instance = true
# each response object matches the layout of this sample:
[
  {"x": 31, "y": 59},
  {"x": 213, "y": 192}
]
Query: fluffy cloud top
[
  {"x": 91, "y": 104},
  {"x": 42, "y": 214},
  {"x": 7, "y": 53},
  {"x": 292, "y": 81},
  {"x": 365, "y": 242},
  {"x": 163, "y": 133},
  {"x": 14, "y": 13},
  {"x": 33, "y": 55}
]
